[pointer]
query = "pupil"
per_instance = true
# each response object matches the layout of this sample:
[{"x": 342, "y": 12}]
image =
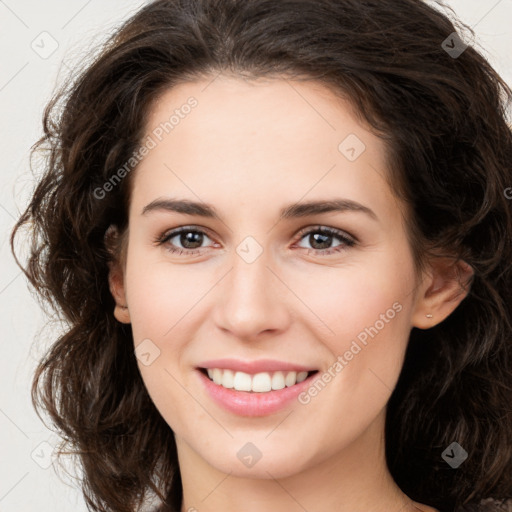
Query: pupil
[
  {"x": 187, "y": 238},
  {"x": 322, "y": 236}
]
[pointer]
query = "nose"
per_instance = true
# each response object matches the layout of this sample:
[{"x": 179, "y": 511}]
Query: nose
[{"x": 252, "y": 300}]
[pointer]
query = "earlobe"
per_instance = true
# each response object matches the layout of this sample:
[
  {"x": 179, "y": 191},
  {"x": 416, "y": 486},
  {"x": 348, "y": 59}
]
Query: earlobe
[
  {"x": 115, "y": 275},
  {"x": 122, "y": 314},
  {"x": 445, "y": 287},
  {"x": 116, "y": 285}
]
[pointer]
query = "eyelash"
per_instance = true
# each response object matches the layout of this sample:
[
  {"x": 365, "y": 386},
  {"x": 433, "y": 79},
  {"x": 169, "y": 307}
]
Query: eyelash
[{"x": 324, "y": 230}]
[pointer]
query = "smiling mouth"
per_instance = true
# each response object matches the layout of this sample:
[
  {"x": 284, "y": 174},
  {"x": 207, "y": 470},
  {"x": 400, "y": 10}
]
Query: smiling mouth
[{"x": 263, "y": 382}]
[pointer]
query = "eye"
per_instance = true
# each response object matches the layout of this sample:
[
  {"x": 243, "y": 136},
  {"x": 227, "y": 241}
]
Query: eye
[
  {"x": 323, "y": 236},
  {"x": 191, "y": 240}
]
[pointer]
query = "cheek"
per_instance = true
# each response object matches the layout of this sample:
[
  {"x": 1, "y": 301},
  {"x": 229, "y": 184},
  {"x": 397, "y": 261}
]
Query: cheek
[
  {"x": 161, "y": 294},
  {"x": 161, "y": 298},
  {"x": 365, "y": 312},
  {"x": 370, "y": 320},
  {"x": 355, "y": 301}
]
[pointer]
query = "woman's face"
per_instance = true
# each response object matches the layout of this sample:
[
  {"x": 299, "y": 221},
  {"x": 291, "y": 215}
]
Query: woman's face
[{"x": 259, "y": 288}]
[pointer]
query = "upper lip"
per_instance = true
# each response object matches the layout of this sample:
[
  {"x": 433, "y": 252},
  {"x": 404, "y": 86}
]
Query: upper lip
[{"x": 253, "y": 367}]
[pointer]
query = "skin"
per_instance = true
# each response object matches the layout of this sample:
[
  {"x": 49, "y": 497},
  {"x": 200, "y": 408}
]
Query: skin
[{"x": 249, "y": 148}]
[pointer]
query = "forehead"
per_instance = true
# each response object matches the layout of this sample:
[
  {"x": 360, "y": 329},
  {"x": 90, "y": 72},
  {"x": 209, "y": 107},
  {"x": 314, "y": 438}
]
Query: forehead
[
  {"x": 258, "y": 109},
  {"x": 247, "y": 138}
]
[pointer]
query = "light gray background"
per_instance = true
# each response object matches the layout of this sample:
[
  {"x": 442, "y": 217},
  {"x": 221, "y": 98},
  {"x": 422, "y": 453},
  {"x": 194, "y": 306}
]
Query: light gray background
[{"x": 28, "y": 479}]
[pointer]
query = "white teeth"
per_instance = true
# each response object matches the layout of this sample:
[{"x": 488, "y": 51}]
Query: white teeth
[
  {"x": 217, "y": 376},
  {"x": 302, "y": 376},
  {"x": 242, "y": 381},
  {"x": 278, "y": 380},
  {"x": 259, "y": 383},
  {"x": 228, "y": 379},
  {"x": 290, "y": 379}
]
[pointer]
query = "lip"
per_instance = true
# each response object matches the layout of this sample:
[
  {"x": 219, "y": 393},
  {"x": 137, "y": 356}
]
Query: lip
[
  {"x": 244, "y": 403},
  {"x": 253, "y": 367}
]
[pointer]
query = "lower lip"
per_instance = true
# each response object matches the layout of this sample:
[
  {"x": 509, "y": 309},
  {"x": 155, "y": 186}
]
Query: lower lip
[{"x": 244, "y": 403}]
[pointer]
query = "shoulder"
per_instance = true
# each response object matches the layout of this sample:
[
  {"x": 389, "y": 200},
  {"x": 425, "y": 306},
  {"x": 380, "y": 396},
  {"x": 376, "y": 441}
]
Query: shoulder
[{"x": 487, "y": 505}]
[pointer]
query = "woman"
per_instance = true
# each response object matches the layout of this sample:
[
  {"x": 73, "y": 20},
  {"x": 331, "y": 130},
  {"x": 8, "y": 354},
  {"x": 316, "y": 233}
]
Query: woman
[{"x": 212, "y": 359}]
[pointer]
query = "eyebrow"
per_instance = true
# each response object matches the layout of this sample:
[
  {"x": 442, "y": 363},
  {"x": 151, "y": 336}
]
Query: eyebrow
[{"x": 295, "y": 210}]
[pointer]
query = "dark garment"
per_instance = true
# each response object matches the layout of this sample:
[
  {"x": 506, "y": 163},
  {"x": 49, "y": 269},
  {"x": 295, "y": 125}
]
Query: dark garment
[{"x": 487, "y": 505}]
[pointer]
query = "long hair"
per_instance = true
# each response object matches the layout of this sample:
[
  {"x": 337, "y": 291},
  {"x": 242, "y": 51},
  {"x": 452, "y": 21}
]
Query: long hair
[{"x": 443, "y": 118}]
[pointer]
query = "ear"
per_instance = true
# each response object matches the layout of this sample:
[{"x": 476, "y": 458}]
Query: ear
[
  {"x": 443, "y": 288},
  {"x": 116, "y": 277}
]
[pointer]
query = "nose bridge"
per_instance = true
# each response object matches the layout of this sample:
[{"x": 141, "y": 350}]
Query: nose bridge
[
  {"x": 250, "y": 301},
  {"x": 250, "y": 274}
]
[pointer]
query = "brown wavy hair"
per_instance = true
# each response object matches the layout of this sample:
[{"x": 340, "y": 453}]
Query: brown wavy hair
[{"x": 449, "y": 149}]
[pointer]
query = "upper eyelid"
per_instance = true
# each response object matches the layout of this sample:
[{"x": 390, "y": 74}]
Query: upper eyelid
[
  {"x": 320, "y": 227},
  {"x": 171, "y": 233}
]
